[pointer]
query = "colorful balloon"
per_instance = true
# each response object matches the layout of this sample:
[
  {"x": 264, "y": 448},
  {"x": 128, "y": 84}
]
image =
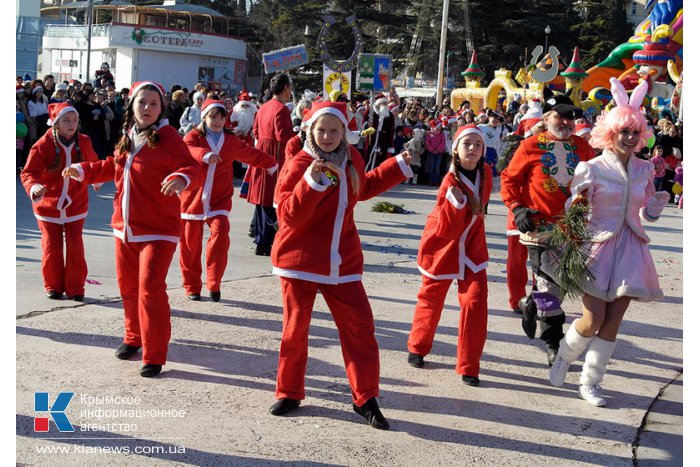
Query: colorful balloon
[
  {"x": 651, "y": 141},
  {"x": 20, "y": 117},
  {"x": 21, "y": 130}
]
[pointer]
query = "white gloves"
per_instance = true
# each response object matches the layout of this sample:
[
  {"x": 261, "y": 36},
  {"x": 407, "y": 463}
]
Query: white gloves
[{"x": 657, "y": 204}]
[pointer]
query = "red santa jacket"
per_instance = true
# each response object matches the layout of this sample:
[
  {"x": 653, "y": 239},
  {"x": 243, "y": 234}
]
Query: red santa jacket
[
  {"x": 455, "y": 238},
  {"x": 213, "y": 197},
  {"x": 64, "y": 200},
  {"x": 272, "y": 129},
  {"x": 317, "y": 239},
  {"x": 141, "y": 212},
  {"x": 294, "y": 145},
  {"x": 539, "y": 174}
]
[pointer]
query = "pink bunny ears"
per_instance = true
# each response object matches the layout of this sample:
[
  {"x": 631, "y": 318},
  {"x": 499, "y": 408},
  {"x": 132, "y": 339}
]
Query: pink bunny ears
[{"x": 620, "y": 94}]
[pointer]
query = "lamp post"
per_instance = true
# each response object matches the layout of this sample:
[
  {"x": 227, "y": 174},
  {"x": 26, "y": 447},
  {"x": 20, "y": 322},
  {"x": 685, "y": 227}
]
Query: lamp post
[{"x": 547, "y": 30}]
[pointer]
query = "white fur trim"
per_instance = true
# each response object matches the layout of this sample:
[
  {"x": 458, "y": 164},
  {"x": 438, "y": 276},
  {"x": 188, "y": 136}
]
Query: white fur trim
[
  {"x": 206, "y": 109},
  {"x": 464, "y": 133},
  {"x": 273, "y": 169},
  {"x": 405, "y": 168},
  {"x": 328, "y": 110},
  {"x": 63, "y": 111},
  {"x": 451, "y": 198},
  {"x": 311, "y": 277},
  {"x": 312, "y": 183}
]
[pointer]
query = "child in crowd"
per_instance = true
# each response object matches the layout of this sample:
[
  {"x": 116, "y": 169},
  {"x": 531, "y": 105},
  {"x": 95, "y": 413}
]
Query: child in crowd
[
  {"x": 453, "y": 246},
  {"x": 435, "y": 145},
  {"x": 60, "y": 205},
  {"x": 151, "y": 163},
  {"x": 657, "y": 159},
  {"x": 317, "y": 248},
  {"x": 216, "y": 147}
]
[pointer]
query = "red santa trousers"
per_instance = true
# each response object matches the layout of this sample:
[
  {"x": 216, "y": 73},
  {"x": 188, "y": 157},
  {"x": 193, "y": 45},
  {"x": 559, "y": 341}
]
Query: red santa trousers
[
  {"x": 141, "y": 271},
  {"x": 516, "y": 270},
  {"x": 63, "y": 275},
  {"x": 352, "y": 313},
  {"x": 472, "y": 293},
  {"x": 216, "y": 256}
]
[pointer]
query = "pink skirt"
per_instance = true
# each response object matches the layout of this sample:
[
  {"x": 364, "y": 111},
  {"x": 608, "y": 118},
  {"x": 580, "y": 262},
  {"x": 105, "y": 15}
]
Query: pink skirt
[{"x": 623, "y": 267}]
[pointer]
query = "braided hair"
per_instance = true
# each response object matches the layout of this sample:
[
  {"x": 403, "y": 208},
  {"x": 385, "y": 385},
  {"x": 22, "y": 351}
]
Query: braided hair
[
  {"x": 477, "y": 206},
  {"x": 123, "y": 146},
  {"x": 56, "y": 165}
]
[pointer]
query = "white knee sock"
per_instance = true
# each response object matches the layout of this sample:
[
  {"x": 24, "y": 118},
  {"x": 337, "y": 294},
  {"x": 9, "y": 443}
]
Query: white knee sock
[
  {"x": 596, "y": 361},
  {"x": 572, "y": 344}
]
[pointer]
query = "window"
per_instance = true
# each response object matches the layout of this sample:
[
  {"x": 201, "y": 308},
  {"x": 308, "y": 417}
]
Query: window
[{"x": 634, "y": 7}]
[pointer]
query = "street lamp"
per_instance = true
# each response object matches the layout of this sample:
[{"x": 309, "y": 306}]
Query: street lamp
[{"x": 547, "y": 30}]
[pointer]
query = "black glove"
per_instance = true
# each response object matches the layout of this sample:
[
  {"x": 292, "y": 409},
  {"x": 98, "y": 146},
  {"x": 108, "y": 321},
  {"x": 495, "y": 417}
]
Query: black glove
[{"x": 523, "y": 218}]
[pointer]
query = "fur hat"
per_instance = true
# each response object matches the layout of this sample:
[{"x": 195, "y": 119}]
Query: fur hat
[
  {"x": 211, "y": 104},
  {"x": 337, "y": 109}
]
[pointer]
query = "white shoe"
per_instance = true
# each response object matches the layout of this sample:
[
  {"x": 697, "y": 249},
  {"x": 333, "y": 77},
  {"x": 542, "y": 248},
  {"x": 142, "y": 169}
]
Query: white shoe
[
  {"x": 557, "y": 374},
  {"x": 591, "y": 393}
]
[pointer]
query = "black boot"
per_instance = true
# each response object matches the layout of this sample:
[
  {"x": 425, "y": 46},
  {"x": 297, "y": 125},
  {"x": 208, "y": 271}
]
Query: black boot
[
  {"x": 149, "y": 370},
  {"x": 126, "y": 351},
  {"x": 283, "y": 406},
  {"x": 215, "y": 296},
  {"x": 415, "y": 360},
  {"x": 551, "y": 354},
  {"x": 529, "y": 316},
  {"x": 470, "y": 380},
  {"x": 195, "y": 297},
  {"x": 370, "y": 410},
  {"x": 53, "y": 295}
]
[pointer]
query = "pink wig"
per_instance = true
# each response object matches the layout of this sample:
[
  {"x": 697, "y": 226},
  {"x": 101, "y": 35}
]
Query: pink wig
[
  {"x": 625, "y": 116},
  {"x": 614, "y": 121}
]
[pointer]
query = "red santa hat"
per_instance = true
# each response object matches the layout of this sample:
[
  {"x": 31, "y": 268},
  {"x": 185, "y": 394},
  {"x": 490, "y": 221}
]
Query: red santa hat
[
  {"x": 58, "y": 110},
  {"x": 37, "y": 88},
  {"x": 337, "y": 109},
  {"x": 380, "y": 99},
  {"x": 244, "y": 96},
  {"x": 525, "y": 126},
  {"x": 465, "y": 130},
  {"x": 582, "y": 129},
  {"x": 211, "y": 104},
  {"x": 137, "y": 86},
  {"x": 434, "y": 123},
  {"x": 393, "y": 107},
  {"x": 19, "y": 89}
]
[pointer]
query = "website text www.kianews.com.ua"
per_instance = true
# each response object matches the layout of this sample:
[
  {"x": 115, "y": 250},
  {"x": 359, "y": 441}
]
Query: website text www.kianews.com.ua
[{"x": 79, "y": 449}]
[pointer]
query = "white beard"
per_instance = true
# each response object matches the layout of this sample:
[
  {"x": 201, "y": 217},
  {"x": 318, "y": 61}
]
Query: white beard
[
  {"x": 383, "y": 112},
  {"x": 244, "y": 114}
]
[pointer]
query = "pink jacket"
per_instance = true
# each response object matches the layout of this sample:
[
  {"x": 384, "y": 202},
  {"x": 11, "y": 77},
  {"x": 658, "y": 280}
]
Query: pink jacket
[
  {"x": 435, "y": 142},
  {"x": 616, "y": 196}
]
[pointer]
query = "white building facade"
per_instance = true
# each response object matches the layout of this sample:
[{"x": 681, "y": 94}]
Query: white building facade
[{"x": 138, "y": 53}]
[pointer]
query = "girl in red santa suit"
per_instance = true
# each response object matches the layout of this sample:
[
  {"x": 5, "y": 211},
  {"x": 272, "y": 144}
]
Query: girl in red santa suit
[
  {"x": 151, "y": 163},
  {"x": 60, "y": 205},
  {"x": 217, "y": 148},
  {"x": 317, "y": 248},
  {"x": 453, "y": 246}
]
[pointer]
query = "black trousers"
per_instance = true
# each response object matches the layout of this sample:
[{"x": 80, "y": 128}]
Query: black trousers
[
  {"x": 551, "y": 327},
  {"x": 265, "y": 225}
]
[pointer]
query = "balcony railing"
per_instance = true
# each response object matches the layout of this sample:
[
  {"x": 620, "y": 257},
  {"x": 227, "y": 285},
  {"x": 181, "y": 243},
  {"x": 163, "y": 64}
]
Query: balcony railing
[{"x": 76, "y": 31}]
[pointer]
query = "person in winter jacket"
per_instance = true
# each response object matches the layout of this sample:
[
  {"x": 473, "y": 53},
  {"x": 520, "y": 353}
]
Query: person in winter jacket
[
  {"x": 60, "y": 205},
  {"x": 151, "y": 163},
  {"x": 318, "y": 249},
  {"x": 216, "y": 147},
  {"x": 453, "y": 247}
]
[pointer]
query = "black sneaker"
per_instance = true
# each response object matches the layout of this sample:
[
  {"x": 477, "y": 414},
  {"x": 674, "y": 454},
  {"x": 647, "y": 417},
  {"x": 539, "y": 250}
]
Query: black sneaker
[
  {"x": 215, "y": 296},
  {"x": 77, "y": 298},
  {"x": 283, "y": 406},
  {"x": 370, "y": 411},
  {"x": 195, "y": 297},
  {"x": 470, "y": 380},
  {"x": 149, "y": 371},
  {"x": 125, "y": 351},
  {"x": 53, "y": 295},
  {"x": 261, "y": 250},
  {"x": 415, "y": 360}
]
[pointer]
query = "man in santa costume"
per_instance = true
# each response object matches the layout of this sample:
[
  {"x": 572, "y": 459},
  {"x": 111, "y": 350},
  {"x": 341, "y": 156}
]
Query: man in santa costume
[
  {"x": 242, "y": 117},
  {"x": 271, "y": 130},
  {"x": 535, "y": 186},
  {"x": 380, "y": 145}
]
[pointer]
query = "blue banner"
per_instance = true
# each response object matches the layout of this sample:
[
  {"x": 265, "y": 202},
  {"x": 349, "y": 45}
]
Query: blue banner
[{"x": 284, "y": 59}]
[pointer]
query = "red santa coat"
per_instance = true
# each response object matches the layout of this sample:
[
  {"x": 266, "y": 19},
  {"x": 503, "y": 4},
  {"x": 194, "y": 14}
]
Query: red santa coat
[
  {"x": 539, "y": 174},
  {"x": 317, "y": 239},
  {"x": 272, "y": 129},
  {"x": 454, "y": 238},
  {"x": 214, "y": 196},
  {"x": 141, "y": 212},
  {"x": 65, "y": 200},
  {"x": 293, "y": 147}
]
